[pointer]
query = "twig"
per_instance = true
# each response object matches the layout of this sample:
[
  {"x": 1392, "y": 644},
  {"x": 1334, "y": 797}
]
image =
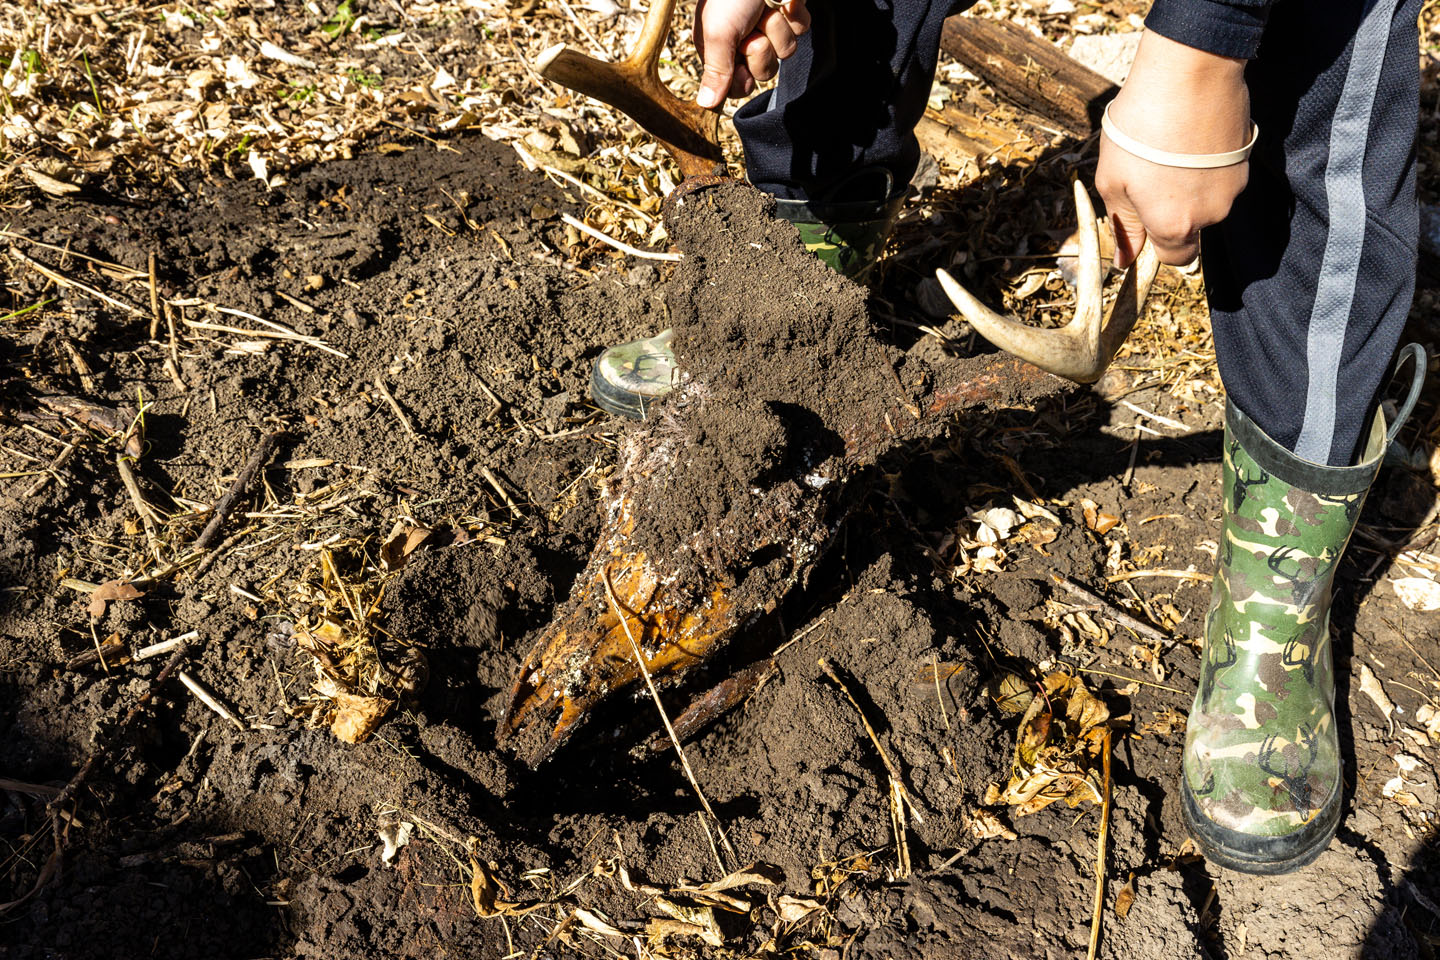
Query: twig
[
  {"x": 494, "y": 481},
  {"x": 1192, "y": 575},
  {"x": 1149, "y": 415},
  {"x": 65, "y": 281},
  {"x": 154, "y": 300},
  {"x": 384, "y": 392},
  {"x": 133, "y": 274},
  {"x": 1143, "y": 683},
  {"x": 890, "y": 767},
  {"x": 280, "y": 334},
  {"x": 226, "y": 504},
  {"x": 1100, "y": 858},
  {"x": 1110, "y": 611},
  {"x": 51, "y": 472},
  {"x": 147, "y": 512},
  {"x": 655, "y": 695},
  {"x": 165, "y": 646},
  {"x": 295, "y": 302},
  {"x": 620, "y": 245},
  {"x": 207, "y": 698}
]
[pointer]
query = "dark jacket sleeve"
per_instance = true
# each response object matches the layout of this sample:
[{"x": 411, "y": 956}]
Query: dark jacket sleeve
[{"x": 1227, "y": 28}]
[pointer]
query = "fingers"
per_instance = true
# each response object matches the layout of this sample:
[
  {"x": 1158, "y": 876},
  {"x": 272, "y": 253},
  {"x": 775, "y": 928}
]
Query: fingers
[{"x": 742, "y": 42}]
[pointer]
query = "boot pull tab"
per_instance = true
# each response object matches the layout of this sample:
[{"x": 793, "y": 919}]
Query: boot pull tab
[{"x": 1415, "y": 352}]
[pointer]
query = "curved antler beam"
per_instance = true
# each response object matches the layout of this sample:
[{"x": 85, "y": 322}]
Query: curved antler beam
[{"x": 1083, "y": 348}]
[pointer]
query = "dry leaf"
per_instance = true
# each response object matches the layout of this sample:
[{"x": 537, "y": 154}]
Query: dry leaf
[
  {"x": 486, "y": 892},
  {"x": 402, "y": 541},
  {"x": 1060, "y": 737},
  {"x": 700, "y": 919},
  {"x": 1033, "y": 511},
  {"x": 795, "y": 909},
  {"x": 591, "y": 921},
  {"x": 1394, "y": 790},
  {"x": 394, "y": 835},
  {"x": 762, "y": 873},
  {"x": 1371, "y": 687},
  {"x": 1418, "y": 593},
  {"x": 1430, "y": 717},
  {"x": 355, "y": 717},
  {"x": 1407, "y": 763},
  {"x": 1096, "y": 519},
  {"x": 1125, "y": 899},
  {"x": 111, "y": 590},
  {"x": 984, "y": 825},
  {"x": 56, "y": 188}
]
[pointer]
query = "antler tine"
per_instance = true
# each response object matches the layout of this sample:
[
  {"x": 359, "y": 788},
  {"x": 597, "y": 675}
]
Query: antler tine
[{"x": 1084, "y": 347}]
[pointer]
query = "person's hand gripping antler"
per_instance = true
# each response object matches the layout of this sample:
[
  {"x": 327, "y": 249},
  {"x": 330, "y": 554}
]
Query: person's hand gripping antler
[{"x": 742, "y": 42}]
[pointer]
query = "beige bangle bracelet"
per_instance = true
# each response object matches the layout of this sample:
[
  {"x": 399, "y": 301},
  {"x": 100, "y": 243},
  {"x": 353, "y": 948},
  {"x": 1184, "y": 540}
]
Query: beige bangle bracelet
[{"x": 1194, "y": 161}]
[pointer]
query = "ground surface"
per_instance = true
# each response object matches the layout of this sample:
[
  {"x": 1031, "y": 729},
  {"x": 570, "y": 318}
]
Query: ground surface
[{"x": 442, "y": 272}]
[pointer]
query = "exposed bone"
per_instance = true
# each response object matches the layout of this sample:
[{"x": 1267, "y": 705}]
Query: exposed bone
[{"x": 1083, "y": 348}]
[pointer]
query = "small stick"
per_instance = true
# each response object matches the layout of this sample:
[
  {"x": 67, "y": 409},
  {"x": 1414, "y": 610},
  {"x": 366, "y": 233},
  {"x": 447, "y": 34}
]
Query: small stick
[
  {"x": 1109, "y": 610},
  {"x": 154, "y": 300},
  {"x": 1100, "y": 858},
  {"x": 82, "y": 369},
  {"x": 147, "y": 512},
  {"x": 655, "y": 695},
  {"x": 280, "y": 334},
  {"x": 1143, "y": 683},
  {"x": 207, "y": 698},
  {"x": 620, "y": 245},
  {"x": 1192, "y": 575},
  {"x": 165, "y": 646},
  {"x": 1150, "y": 415},
  {"x": 226, "y": 504},
  {"x": 404, "y": 420},
  {"x": 51, "y": 472},
  {"x": 174, "y": 365},
  {"x": 295, "y": 302},
  {"x": 65, "y": 281},
  {"x": 504, "y": 494},
  {"x": 874, "y": 738}
]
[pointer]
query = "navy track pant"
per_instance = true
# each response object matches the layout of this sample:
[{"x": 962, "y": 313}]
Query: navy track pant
[{"x": 1310, "y": 278}]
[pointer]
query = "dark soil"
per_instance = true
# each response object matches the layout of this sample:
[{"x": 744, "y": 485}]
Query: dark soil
[{"x": 445, "y": 274}]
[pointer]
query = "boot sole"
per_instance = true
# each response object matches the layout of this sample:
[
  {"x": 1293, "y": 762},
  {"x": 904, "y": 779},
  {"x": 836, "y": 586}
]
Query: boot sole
[
  {"x": 617, "y": 400},
  {"x": 1263, "y": 856}
]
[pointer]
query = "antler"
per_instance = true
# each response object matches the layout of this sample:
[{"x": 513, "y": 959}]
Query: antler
[
  {"x": 687, "y": 130},
  {"x": 1083, "y": 348}
]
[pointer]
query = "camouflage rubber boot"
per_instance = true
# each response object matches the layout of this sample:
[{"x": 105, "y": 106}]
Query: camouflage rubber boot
[
  {"x": 847, "y": 236},
  {"x": 1260, "y": 784}
]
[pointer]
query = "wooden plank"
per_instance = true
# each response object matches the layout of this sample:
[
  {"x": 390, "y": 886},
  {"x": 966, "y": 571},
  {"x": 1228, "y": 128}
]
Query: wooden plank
[{"x": 1030, "y": 72}]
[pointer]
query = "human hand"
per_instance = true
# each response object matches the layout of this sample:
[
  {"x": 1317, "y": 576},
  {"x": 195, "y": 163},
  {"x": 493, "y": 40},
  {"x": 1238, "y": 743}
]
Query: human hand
[
  {"x": 1180, "y": 100},
  {"x": 742, "y": 41}
]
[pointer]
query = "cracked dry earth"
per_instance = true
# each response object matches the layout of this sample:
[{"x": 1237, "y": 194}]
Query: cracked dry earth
[{"x": 195, "y": 838}]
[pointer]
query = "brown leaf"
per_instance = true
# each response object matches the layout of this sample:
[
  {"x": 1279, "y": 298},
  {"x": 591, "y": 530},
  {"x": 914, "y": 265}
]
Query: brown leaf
[
  {"x": 356, "y": 717},
  {"x": 1125, "y": 899},
  {"x": 1097, "y": 519},
  {"x": 485, "y": 890},
  {"x": 984, "y": 825},
  {"x": 111, "y": 590},
  {"x": 403, "y": 541},
  {"x": 794, "y": 909}
]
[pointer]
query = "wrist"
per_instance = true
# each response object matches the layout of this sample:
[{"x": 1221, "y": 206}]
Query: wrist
[{"x": 1184, "y": 100}]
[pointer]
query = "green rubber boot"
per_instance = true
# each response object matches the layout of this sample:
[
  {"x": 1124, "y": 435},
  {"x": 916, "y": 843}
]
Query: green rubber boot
[
  {"x": 847, "y": 236},
  {"x": 1261, "y": 787}
]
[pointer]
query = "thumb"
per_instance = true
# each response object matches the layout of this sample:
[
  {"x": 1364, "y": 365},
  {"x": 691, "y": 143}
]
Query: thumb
[
  {"x": 717, "y": 50},
  {"x": 1129, "y": 231}
]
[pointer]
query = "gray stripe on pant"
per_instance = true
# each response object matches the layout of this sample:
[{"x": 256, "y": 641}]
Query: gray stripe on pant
[{"x": 1345, "y": 211}]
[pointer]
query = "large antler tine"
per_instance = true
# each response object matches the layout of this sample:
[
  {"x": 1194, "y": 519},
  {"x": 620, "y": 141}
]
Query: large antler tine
[
  {"x": 653, "y": 34},
  {"x": 1083, "y": 348},
  {"x": 1090, "y": 277},
  {"x": 1129, "y": 303}
]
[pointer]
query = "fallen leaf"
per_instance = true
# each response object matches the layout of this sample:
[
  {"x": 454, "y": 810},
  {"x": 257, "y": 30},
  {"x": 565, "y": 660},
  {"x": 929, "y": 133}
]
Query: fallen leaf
[
  {"x": 1407, "y": 763},
  {"x": 591, "y": 921},
  {"x": 56, "y": 188},
  {"x": 1061, "y": 736},
  {"x": 1429, "y": 716},
  {"x": 700, "y": 918},
  {"x": 1125, "y": 899},
  {"x": 1394, "y": 790},
  {"x": 111, "y": 590},
  {"x": 1371, "y": 687},
  {"x": 1418, "y": 593},
  {"x": 984, "y": 825},
  {"x": 356, "y": 717},
  {"x": 795, "y": 909},
  {"x": 402, "y": 541},
  {"x": 1097, "y": 519},
  {"x": 394, "y": 835},
  {"x": 1033, "y": 511},
  {"x": 762, "y": 873}
]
